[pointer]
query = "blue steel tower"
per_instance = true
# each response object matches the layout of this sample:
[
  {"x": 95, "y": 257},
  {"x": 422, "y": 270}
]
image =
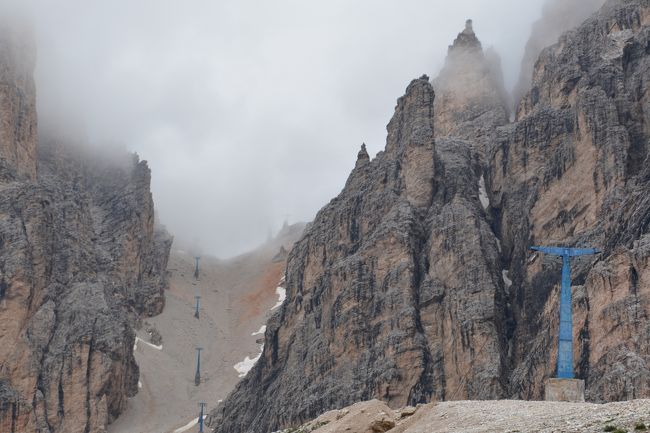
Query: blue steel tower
[
  {"x": 565, "y": 345},
  {"x": 201, "y": 416}
]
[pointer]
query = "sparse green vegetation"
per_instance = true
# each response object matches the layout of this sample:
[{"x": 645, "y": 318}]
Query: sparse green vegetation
[
  {"x": 614, "y": 429},
  {"x": 319, "y": 425},
  {"x": 640, "y": 427}
]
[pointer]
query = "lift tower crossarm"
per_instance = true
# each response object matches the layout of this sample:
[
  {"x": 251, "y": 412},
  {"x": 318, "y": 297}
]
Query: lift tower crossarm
[{"x": 570, "y": 252}]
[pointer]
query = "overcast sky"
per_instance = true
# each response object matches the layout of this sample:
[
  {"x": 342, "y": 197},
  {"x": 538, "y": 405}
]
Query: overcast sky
[{"x": 248, "y": 111}]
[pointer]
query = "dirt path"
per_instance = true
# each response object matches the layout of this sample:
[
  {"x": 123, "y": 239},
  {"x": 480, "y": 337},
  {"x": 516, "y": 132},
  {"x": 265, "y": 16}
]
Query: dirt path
[{"x": 236, "y": 298}]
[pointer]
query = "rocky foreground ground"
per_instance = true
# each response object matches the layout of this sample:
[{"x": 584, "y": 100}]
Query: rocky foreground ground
[{"x": 503, "y": 416}]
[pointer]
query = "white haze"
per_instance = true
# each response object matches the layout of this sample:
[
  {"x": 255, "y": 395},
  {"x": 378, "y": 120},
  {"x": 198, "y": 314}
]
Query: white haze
[{"x": 249, "y": 111}]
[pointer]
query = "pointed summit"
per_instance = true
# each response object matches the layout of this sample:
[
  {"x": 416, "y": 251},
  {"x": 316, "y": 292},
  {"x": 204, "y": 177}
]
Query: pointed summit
[
  {"x": 470, "y": 99},
  {"x": 466, "y": 40},
  {"x": 362, "y": 157}
]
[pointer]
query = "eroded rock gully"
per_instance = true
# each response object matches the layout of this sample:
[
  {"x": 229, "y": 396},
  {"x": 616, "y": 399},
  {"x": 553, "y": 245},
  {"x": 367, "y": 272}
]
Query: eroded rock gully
[{"x": 415, "y": 284}]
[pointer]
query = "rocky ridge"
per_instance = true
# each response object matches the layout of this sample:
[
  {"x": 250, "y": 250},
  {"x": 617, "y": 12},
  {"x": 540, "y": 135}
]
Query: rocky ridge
[
  {"x": 80, "y": 262},
  {"x": 416, "y": 282}
]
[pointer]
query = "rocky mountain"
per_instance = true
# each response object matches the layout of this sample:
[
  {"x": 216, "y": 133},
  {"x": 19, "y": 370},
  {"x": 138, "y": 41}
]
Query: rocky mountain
[
  {"x": 80, "y": 262},
  {"x": 574, "y": 169},
  {"x": 18, "y": 135},
  {"x": 416, "y": 282},
  {"x": 471, "y": 101},
  {"x": 558, "y": 16}
]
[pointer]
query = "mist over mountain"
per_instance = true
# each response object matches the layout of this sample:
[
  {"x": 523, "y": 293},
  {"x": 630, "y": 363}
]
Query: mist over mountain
[
  {"x": 145, "y": 145},
  {"x": 558, "y": 16},
  {"x": 210, "y": 92}
]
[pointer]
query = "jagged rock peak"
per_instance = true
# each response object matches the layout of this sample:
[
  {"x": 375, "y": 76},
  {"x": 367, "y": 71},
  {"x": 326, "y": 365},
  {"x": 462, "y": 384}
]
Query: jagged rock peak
[
  {"x": 362, "y": 156},
  {"x": 470, "y": 97},
  {"x": 466, "y": 40},
  {"x": 412, "y": 123}
]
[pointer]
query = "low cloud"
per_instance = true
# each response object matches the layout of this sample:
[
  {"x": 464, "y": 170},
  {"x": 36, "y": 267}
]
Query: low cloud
[{"x": 249, "y": 112}]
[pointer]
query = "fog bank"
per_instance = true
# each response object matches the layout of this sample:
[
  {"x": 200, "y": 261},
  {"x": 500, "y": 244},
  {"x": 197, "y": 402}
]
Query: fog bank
[{"x": 249, "y": 112}]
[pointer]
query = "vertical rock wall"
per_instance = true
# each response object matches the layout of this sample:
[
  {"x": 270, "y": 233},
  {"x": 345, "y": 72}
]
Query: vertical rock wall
[
  {"x": 18, "y": 134},
  {"x": 573, "y": 170},
  {"x": 80, "y": 261}
]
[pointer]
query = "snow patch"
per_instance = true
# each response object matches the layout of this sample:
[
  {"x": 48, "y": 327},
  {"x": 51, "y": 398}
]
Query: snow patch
[
  {"x": 139, "y": 384},
  {"x": 245, "y": 366},
  {"x": 282, "y": 295},
  {"x": 261, "y": 331},
  {"x": 482, "y": 194},
  {"x": 506, "y": 279},
  {"x": 189, "y": 425},
  {"x": 140, "y": 340}
]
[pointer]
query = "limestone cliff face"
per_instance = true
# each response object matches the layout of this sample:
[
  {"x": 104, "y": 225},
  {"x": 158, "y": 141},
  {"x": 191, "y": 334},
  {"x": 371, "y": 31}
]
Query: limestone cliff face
[
  {"x": 573, "y": 170},
  {"x": 375, "y": 305},
  {"x": 80, "y": 261},
  {"x": 17, "y": 101},
  {"x": 558, "y": 16},
  {"x": 416, "y": 282}
]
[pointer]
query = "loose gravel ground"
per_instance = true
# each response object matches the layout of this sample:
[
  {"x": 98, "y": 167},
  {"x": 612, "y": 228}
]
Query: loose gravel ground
[{"x": 502, "y": 416}]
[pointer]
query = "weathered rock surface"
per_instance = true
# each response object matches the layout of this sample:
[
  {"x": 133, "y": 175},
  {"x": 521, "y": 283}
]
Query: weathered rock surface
[
  {"x": 574, "y": 170},
  {"x": 375, "y": 307},
  {"x": 416, "y": 282},
  {"x": 471, "y": 101},
  {"x": 80, "y": 261},
  {"x": 558, "y": 16},
  {"x": 17, "y": 101},
  {"x": 364, "y": 417}
]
